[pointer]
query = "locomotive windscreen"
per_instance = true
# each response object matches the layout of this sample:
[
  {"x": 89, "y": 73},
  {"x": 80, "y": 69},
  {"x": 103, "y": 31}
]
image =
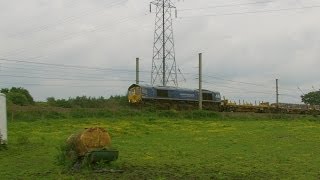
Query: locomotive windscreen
[{"x": 207, "y": 96}]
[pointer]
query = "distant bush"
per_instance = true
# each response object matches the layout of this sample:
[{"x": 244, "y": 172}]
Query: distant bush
[{"x": 58, "y": 102}]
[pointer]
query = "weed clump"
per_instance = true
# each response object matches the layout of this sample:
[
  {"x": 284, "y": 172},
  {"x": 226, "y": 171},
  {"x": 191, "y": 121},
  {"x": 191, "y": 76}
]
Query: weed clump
[{"x": 67, "y": 157}]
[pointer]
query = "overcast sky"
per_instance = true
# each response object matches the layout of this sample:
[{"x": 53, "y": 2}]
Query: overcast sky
[{"x": 246, "y": 45}]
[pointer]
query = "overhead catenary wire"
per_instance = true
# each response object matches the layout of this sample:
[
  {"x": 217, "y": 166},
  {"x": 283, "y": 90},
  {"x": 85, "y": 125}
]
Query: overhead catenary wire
[
  {"x": 243, "y": 90},
  {"x": 251, "y": 83},
  {"x": 239, "y": 90},
  {"x": 241, "y": 82},
  {"x": 219, "y": 86},
  {"x": 65, "y": 66},
  {"x": 128, "y": 71}
]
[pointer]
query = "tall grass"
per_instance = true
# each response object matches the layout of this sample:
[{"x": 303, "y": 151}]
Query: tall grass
[{"x": 33, "y": 113}]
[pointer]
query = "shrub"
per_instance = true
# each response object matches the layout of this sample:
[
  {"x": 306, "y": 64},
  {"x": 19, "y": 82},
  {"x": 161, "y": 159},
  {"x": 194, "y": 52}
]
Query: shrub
[
  {"x": 18, "y": 99},
  {"x": 18, "y": 96}
]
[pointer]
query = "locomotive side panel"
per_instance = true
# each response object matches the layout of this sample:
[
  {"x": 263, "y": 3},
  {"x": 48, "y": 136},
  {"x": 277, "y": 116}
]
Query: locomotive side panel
[{"x": 188, "y": 95}]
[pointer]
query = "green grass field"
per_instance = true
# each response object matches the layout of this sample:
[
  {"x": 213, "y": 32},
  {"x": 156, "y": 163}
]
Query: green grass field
[{"x": 222, "y": 146}]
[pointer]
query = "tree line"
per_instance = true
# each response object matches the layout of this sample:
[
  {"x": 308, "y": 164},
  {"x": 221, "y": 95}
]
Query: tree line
[
  {"x": 85, "y": 102},
  {"x": 21, "y": 96}
]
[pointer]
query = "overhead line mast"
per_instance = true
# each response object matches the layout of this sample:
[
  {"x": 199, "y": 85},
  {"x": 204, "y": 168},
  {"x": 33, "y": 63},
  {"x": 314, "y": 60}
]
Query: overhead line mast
[
  {"x": 163, "y": 47},
  {"x": 164, "y": 70}
]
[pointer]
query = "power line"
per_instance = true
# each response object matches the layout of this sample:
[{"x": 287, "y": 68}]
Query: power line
[
  {"x": 49, "y": 70},
  {"x": 66, "y": 79},
  {"x": 227, "y": 5},
  {"x": 59, "y": 85},
  {"x": 70, "y": 76},
  {"x": 108, "y": 37},
  {"x": 71, "y": 35},
  {"x": 31, "y": 19},
  {"x": 60, "y": 71},
  {"x": 254, "y": 12},
  {"x": 68, "y": 66},
  {"x": 69, "y": 19},
  {"x": 64, "y": 75}
]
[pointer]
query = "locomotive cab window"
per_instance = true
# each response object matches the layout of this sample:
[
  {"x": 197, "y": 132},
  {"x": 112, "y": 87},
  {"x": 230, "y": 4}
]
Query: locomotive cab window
[
  {"x": 134, "y": 91},
  {"x": 207, "y": 96},
  {"x": 162, "y": 93}
]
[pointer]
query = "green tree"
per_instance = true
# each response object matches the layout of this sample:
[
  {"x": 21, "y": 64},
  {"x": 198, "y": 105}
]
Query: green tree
[
  {"x": 23, "y": 92},
  {"x": 18, "y": 96},
  {"x": 312, "y": 98}
]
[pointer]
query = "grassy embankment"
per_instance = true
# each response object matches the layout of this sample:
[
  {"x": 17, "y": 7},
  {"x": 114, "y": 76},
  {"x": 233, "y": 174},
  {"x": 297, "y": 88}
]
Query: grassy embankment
[{"x": 167, "y": 144}]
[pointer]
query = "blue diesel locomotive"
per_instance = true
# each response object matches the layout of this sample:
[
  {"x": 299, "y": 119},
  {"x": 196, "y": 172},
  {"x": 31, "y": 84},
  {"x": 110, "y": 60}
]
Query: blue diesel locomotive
[{"x": 172, "y": 96}]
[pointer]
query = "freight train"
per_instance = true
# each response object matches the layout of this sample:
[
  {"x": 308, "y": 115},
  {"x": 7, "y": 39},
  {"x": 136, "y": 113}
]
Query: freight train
[
  {"x": 168, "y": 97},
  {"x": 187, "y": 99}
]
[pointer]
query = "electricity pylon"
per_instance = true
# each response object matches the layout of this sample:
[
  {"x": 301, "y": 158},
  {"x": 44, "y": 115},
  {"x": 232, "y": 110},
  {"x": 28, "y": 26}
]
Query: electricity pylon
[{"x": 164, "y": 70}]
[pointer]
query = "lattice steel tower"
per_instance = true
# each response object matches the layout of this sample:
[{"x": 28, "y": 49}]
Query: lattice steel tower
[{"x": 164, "y": 70}]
